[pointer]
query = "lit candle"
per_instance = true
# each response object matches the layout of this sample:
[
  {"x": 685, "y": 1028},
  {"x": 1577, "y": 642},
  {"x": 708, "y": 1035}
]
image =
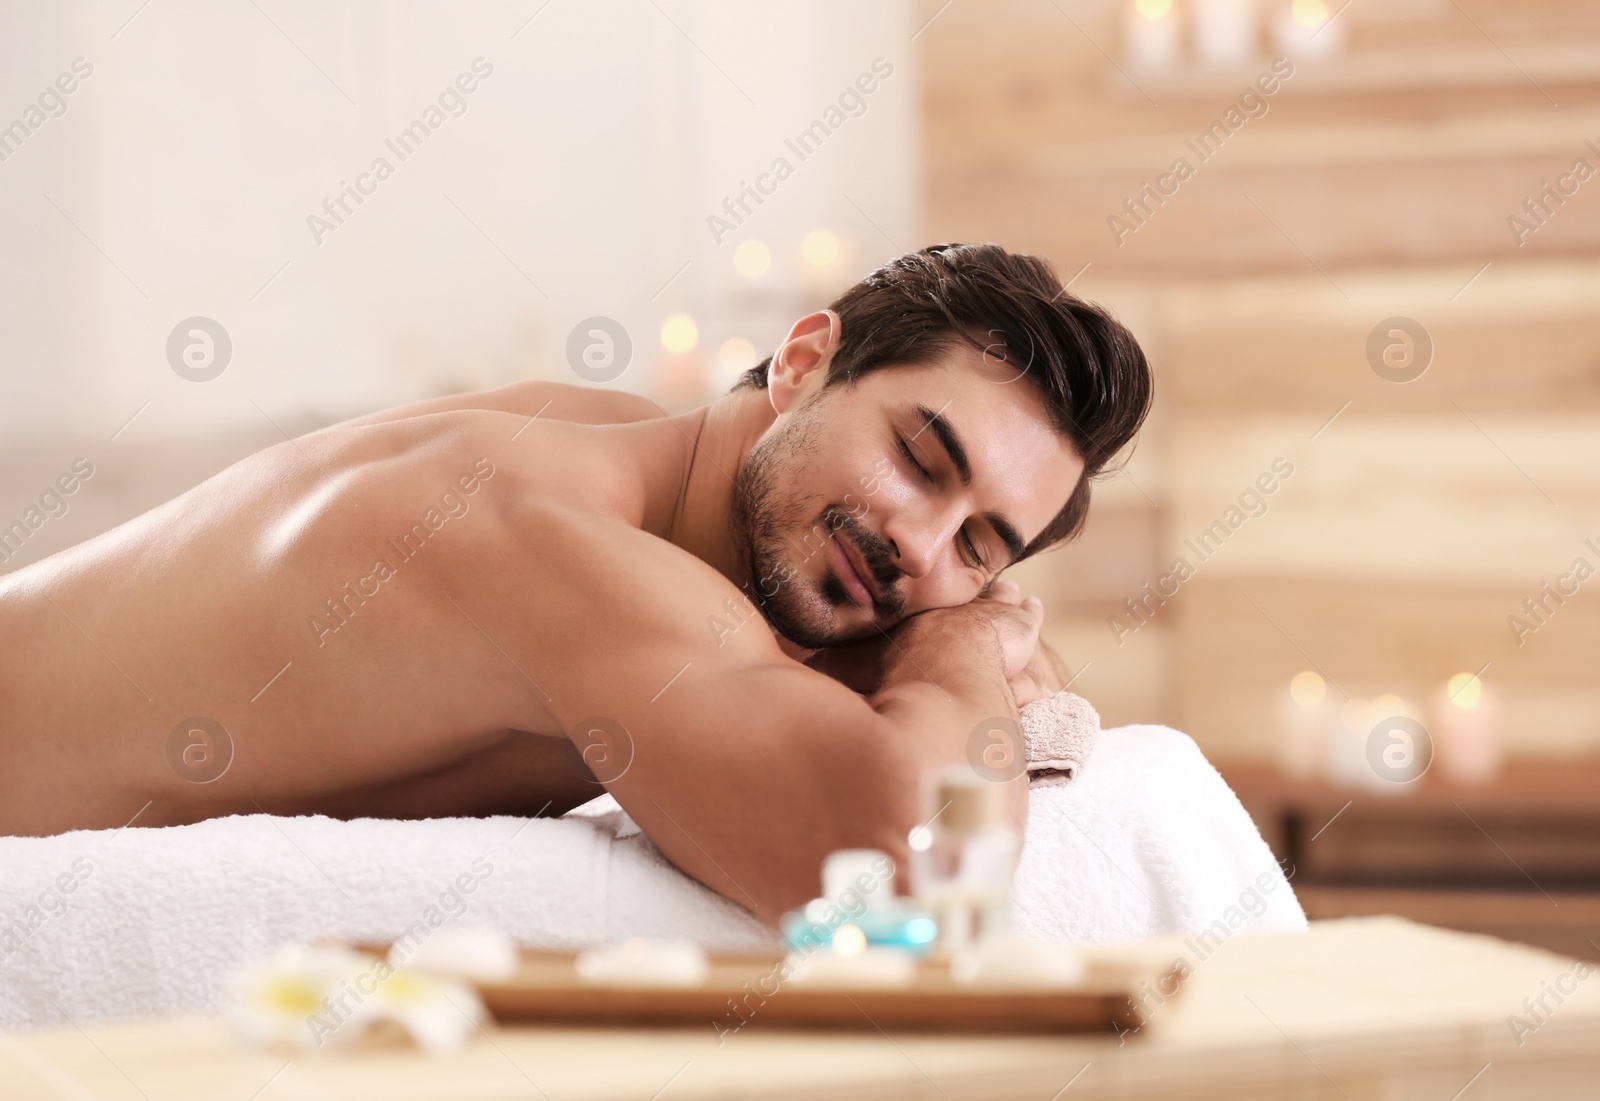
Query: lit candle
[
  {"x": 1151, "y": 30},
  {"x": 1304, "y": 716},
  {"x": 1465, "y": 714},
  {"x": 1396, "y": 748},
  {"x": 1306, "y": 30},
  {"x": 1225, "y": 31},
  {"x": 1345, "y": 750}
]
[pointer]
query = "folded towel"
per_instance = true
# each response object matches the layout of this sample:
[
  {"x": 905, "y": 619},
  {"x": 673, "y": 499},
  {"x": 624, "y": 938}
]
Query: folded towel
[
  {"x": 109, "y": 923},
  {"x": 1058, "y": 732},
  {"x": 1147, "y": 840}
]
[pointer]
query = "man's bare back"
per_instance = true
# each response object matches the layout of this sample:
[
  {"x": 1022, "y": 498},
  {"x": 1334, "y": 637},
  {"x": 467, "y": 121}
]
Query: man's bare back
[{"x": 474, "y": 606}]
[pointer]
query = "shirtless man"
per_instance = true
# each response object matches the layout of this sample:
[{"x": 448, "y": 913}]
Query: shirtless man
[{"x": 757, "y": 624}]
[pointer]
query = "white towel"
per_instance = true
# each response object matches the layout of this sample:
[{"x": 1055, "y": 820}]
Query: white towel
[
  {"x": 1146, "y": 840},
  {"x": 94, "y": 924},
  {"x": 156, "y": 919}
]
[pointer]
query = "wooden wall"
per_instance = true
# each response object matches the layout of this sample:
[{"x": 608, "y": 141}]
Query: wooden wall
[{"x": 1378, "y": 184}]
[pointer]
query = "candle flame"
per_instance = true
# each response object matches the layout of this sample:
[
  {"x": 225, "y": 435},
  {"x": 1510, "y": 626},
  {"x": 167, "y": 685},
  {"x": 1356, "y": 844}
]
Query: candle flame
[
  {"x": 1307, "y": 689},
  {"x": 1465, "y": 690}
]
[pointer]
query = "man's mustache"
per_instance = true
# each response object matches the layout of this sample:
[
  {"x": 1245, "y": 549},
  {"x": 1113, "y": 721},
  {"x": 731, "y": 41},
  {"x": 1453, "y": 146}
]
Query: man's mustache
[{"x": 875, "y": 551}]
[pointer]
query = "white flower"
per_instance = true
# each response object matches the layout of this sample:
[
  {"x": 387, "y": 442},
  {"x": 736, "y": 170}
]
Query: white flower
[
  {"x": 314, "y": 997},
  {"x": 303, "y": 997},
  {"x": 440, "y": 1014}
]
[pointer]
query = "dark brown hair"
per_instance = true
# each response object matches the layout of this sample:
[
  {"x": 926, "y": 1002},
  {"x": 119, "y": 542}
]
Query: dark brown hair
[{"x": 1096, "y": 382}]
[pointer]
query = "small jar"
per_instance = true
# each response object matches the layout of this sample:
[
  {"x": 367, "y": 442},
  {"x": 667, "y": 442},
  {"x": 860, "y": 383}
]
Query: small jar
[{"x": 964, "y": 859}]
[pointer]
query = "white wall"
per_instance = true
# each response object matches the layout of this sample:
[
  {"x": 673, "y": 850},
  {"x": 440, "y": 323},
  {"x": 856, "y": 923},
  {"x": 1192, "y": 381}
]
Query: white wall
[{"x": 185, "y": 168}]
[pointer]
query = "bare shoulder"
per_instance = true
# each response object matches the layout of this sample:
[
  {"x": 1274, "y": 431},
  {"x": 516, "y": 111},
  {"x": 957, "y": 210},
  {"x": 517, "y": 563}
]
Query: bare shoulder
[
  {"x": 610, "y": 579},
  {"x": 558, "y": 538},
  {"x": 427, "y": 452},
  {"x": 532, "y": 398},
  {"x": 583, "y": 404}
]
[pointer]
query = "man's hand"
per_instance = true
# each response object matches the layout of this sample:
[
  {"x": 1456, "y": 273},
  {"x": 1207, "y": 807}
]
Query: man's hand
[
  {"x": 1033, "y": 670},
  {"x": 1043, "y": 673}
]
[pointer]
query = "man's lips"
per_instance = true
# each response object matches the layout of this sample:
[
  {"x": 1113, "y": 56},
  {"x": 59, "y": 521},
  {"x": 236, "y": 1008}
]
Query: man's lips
[{"x": 857, "y": 566}]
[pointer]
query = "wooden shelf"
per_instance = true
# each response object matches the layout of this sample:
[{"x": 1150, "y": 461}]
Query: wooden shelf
[
  {"x": 1546, "y": 790},
  {"x": 1376, "y": 70},
  {"x": 1518, "y": 858}
]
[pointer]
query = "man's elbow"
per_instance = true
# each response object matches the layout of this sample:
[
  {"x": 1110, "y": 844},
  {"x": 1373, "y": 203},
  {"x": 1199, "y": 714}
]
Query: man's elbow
[
  {"x": 882, "y": 795},
  {"x": 898, "y": 794}
]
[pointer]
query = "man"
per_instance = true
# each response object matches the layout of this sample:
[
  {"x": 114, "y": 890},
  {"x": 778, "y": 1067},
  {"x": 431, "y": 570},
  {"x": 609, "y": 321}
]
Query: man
[{"x": 498, "y": 602}]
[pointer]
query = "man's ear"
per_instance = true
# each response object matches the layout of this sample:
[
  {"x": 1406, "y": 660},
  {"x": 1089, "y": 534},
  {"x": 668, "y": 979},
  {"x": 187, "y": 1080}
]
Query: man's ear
[{"x": 799, "y": 367}]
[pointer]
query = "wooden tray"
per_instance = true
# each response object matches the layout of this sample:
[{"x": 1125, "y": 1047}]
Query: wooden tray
[{"x": 546, "y": 988}]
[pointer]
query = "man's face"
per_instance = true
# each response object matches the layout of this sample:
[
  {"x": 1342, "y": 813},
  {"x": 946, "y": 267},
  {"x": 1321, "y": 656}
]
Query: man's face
[{"x": 845, "y": 535}]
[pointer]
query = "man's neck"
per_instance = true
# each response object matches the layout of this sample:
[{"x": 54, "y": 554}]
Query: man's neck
[
  {"x": 722, "y": 434},
  {"x": 714, "y": 442}
]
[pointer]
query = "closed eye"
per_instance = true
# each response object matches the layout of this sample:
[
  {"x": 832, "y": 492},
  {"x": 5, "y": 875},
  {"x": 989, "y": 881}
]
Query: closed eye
[
  {"x": 905, "y": 450},
  {"x": 972, "y": 550}
]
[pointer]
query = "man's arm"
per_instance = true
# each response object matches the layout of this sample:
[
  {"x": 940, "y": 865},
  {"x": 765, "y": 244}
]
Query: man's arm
[
  {"x": 862, "y": 665},
  {"x": 746, "y": 768},
  {"x": 558, "y": 401}
]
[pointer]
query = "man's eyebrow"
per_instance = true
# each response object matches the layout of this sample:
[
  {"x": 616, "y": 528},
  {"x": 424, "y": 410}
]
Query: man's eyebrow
[{"x": 950, "y": 439}]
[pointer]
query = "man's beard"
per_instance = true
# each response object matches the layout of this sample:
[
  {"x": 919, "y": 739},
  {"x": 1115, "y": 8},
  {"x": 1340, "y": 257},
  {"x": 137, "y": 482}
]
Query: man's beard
[{"x": 803, "y": 611}]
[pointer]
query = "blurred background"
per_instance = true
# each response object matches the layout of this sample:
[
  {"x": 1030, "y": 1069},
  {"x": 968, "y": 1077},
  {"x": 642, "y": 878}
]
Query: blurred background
[{"x": 1357, "y": 550}]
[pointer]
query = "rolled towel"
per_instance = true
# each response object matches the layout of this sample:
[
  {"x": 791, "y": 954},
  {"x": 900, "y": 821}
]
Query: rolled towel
[{"x": 1059, "y": 733}]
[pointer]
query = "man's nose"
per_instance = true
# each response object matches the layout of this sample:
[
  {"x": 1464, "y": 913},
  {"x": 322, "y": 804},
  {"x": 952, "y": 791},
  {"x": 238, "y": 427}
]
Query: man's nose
[{"x": 916, "y": 538}]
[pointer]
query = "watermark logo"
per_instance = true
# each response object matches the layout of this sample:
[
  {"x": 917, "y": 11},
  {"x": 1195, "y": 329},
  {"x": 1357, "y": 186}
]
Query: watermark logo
[
  {"x": 199, "y": 750},
  {"x": 48, "y": 905},
  {"x": 452, "y": 102},
  {"x": 1142, "y": 607},
  {"x": 1537, "y": 607},
  {"x": 599, "y": 349},
  {"x": 812, "y": 932},
  {"x": 199, "y": 349},
  {"x": 1253, "y": 103},
  {"x": 351, "y": 597},
  {"x": 1399, "y": 749},
  {"x": 605, "y": 746},
  {"x": 1538, "y": 1007},
  {"x": 51, "y": 505},
  {"x": 52, "y": 104},
  {"x": 1399, "y": 349},
  {"x": 1542, "y": 205},
  {"x": 996, "y": 751},
  {"x": 851, "y": 103}
]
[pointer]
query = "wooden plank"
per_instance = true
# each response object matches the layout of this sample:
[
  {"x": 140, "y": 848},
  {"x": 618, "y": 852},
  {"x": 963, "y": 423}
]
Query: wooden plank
[
  {"x": 1522, "y": 337},
  {"x": 1237, "y": 642},
  {"x": 1388, "y": 497},
  {"x": 1242, "y": 221}
]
